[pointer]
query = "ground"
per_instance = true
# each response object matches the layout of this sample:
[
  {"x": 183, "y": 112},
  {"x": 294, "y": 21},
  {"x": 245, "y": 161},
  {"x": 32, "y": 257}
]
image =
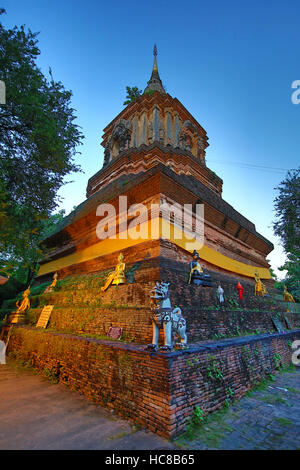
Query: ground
[
  {"x": 268, "y": 418},
  {"x": 37, "y": 414}
]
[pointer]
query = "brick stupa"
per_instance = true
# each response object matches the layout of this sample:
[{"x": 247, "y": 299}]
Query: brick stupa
[{"x": 155, "y": 152}]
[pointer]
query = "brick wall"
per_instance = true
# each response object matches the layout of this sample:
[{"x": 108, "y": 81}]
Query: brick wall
[
  {"x": 175, "y": 270},
  {"x": 81, "y": 307},
  {"x": 157, "y": 390},
  {"x": 209, "y": 324},
  {"x": 217, "y": 374}
]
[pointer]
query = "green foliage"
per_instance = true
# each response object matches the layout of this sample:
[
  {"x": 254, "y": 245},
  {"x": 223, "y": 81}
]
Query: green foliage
[
  {"x": 10, "y": 289},
  {"x": 287, "y": 228},
  {"x": 277, "y": 360},
  {"x": 21, "y": 261},
  {"x": 284, "y": 421},
  {"x": 233, "y": 302},
  {"x": 238, "y": 331},
  {"x": 287, "y": 210},
  {"x": 198, "y": 417},
  {"x": 38, "y": 143},
  {"x": 133, "y": 93},
  {"x": 220, "y": 335},
  {"x": 38, "y": 290},
  {"x": 127, "y": 337},
  {"x": 149, "y": 92},
  {"x": 292, "y": 279},
  {"x": 273, "y": 274},
  {"x": 51, "y": 374},
  {"x": 210, "y": 430},
  {"x": 246, "y": 352},
  {"x": 214, "y": 369}
]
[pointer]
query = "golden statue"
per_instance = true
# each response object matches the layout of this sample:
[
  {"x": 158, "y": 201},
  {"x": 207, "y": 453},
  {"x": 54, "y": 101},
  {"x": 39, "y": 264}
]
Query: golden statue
[
  {"x": 19, "y": 314},
  {"x": 52, "y": 285},
  {"x": 287, "y": 297},
  {"x": 117, "y": 276},
  {"x": 260, "y": 288}
]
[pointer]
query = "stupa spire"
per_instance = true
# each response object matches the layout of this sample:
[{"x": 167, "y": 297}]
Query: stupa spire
[
  {"x": 155, "y": 69},
  {"x": 155, "y": 83}
]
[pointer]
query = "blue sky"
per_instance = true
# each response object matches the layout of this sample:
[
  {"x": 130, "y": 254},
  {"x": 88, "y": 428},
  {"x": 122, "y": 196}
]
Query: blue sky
[{"x": 231, "y": 64}]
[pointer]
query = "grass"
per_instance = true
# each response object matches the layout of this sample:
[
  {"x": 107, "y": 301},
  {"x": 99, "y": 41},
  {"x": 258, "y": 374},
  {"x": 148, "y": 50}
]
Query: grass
[
  {"x": 284, "y": 421},
  {"x": 293, "y": 390},
  {"x": 261, "y": 386},
  {"x": 210, "y": 431},
  {"x": 123, "y": 339},
  {"x": 118, "y": 435},
  {"x": 272, "y": 399},
  {"x": 20, "y": 365}
]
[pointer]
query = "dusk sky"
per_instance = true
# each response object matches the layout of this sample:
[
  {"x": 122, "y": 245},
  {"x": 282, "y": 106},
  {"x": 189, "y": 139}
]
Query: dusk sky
[{"x": 231, "y": 64}]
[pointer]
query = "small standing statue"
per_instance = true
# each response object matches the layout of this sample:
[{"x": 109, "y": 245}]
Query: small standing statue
[
  {"x": 260, "y": 289},
  {"x": 117, "y": 276},
  {"x": 19, "y": 314},
  {"x": 220, "y": 294},
  {"x": 240, "y": 290},
  {"x": 197, "y": 276},
  {"x": 52, "y": 285},
  {"x": 287, "y": 297}
]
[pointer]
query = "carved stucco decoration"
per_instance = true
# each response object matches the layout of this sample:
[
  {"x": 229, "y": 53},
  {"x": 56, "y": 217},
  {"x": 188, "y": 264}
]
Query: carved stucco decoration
[
  {"x": 189, "y": 139},
  {"x": 150, "y": 132},
  {"x": 118, "y": 141},
  {"x": 161, "y": 134},
  {"x": 126, "y": 134}
]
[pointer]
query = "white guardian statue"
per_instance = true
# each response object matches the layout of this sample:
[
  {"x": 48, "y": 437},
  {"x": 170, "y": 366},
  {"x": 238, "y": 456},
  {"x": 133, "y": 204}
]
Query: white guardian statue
[{"x": 163, "y": 316}]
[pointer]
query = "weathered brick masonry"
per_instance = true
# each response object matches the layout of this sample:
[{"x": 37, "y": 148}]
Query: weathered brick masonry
[
  {"x": 213, "y": 375},
  {"x": 157, "y": 390},
  {"x": 202, "y": 324},
  {"x": 81, "y": 307}
]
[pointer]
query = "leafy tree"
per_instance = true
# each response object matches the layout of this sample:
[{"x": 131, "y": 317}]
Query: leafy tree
[
  {"x": 38, "y": 142},
  {"x": 23, "y": 263},
  {"x": 292, "y": 279},
  {"x": 273, "y": 274},
  {"x": 287, "y": 209},
  {"x": 287, "y": 228},
  {"x": 132, "y": 94}
]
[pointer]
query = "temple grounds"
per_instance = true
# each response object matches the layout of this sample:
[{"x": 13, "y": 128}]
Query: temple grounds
[
  {"x": 229, "y": 352},
  {"x": 42, "y": 415}
]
